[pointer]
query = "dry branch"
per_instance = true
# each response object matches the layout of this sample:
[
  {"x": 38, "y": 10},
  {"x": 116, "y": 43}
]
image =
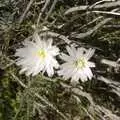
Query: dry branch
[
  {"x": 26, "y": 10},
  {"x": 86, "y": 7},
  {"x": 88, "y": 33}
]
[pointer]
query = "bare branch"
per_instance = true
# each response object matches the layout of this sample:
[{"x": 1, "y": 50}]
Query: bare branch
[
  {"x": 42, "y": 10},
  {"x": 110, "y": 63},
  {"x": 51, "y": 9},
  {"x": 99, "y": 25},
  {"x": 85, "y": 7},
  {"x": 18, "y": 80},
  {"x": 108, "y": 13},
  {"x": 26, "y": 10}
]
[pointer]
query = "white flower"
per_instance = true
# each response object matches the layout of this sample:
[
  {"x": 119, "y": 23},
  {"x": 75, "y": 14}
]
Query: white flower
[
  {"x": 37, "y": 56},
  {"x": 76, "y": 64}
]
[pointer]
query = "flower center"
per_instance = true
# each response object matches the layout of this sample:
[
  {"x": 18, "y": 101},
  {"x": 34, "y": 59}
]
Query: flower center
[
  {"x": 80, "y": 63},
  {"x": 42, "y": 54}
]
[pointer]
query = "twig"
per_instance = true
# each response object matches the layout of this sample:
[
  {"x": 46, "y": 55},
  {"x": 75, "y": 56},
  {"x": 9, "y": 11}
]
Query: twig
[
  {"x": 26, "y": 10},
  {"x": 85, "y": 7},
  {"x": 42, "y": 10},
  {"x": 92, "y": 6},
  {"x": 91, "y": 22},
  {"x": 83, "y": 35},
  {"x": 100, "y": 24},
  {"x": 51, "y": 9},
  {"x": 112, "y": 26},
  {"x": 108, "y": 81},
  {"x": 115, "y": 86},
  {"x": 18, "y": 80},
  {"x": 110, "y": 63},
  {"x": 108, "y": 13}
]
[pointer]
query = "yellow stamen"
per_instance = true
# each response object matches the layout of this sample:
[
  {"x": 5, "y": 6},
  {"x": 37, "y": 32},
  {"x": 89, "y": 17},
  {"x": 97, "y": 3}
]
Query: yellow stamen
[
  {"x": 42, "y": 54},
  {"x": 80, "y": 63}
]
